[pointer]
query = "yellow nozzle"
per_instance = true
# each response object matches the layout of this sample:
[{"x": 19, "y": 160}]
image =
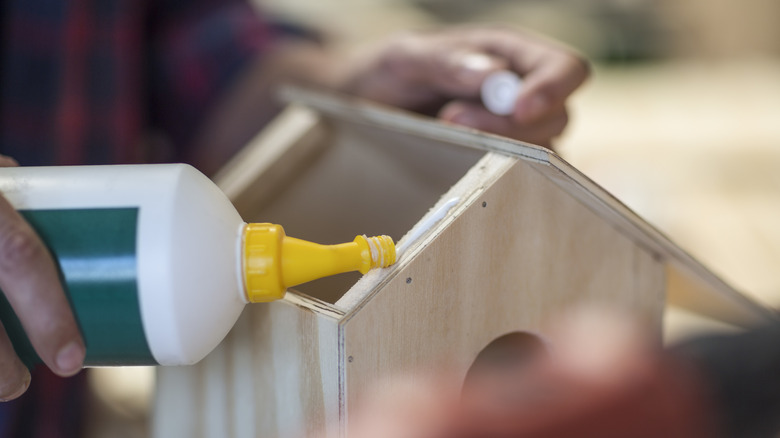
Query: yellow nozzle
[{"x": 273, "y": 262}]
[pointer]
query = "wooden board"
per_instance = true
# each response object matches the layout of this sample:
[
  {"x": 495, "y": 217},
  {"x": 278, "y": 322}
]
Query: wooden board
[
  {"x": 273, "y": 376},
  {"x": 273, "y": 159},
  {"x": 531, "y": 252}
]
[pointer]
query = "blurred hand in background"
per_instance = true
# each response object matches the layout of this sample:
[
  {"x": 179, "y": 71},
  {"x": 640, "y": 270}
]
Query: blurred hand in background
[{"x": 441, "y": 73}]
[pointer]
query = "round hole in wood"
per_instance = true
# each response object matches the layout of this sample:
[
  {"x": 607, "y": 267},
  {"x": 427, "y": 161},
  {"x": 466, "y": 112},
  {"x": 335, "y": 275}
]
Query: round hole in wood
[{"x": 497, "y": 375}]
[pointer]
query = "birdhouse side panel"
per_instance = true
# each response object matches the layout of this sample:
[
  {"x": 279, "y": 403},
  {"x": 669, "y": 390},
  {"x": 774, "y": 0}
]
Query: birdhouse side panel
[{"x": 275, "y": 375}]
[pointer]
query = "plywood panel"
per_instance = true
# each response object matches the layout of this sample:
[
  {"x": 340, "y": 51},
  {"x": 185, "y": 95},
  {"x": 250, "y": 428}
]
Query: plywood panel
[
  {"x": 518, "y": 254},
  {"x": 275, "y": 375},
  {"x": 274, "y": 158}
]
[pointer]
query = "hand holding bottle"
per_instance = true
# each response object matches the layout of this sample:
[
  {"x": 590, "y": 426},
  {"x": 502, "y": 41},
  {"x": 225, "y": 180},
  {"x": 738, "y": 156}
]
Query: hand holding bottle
[{"x": 30, "y": 282}]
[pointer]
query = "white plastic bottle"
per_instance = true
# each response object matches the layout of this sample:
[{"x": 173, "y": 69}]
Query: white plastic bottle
[{"x": 156, "y": 261}]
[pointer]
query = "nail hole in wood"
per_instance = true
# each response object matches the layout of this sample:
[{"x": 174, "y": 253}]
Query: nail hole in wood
[
  {"x": 484, "y": 203},
  {"x": 408, "y": 280},
  {"x": 350, "y": 359}
]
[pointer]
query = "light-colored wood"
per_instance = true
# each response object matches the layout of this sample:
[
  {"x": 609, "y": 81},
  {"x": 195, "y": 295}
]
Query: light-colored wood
[
  {"x": 525, "y": 238},
  {"x": 513, "y": 265},
  {"x": 273, "y": 376},
  {"x": 273, "y": 158}
]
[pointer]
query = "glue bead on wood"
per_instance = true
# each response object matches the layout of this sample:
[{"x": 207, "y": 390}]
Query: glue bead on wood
[{"x": 499, "y": 92}]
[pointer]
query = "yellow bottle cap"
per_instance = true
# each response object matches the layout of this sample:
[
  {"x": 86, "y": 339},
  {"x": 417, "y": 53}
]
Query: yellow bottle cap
[{"x": 273, "y": 262}]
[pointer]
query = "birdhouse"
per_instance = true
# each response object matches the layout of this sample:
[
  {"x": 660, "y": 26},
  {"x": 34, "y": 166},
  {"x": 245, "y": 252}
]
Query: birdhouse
[{"x": 497, "y": 237}]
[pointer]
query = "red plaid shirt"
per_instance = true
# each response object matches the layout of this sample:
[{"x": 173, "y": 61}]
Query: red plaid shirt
[{"x": 86, "y": 81}]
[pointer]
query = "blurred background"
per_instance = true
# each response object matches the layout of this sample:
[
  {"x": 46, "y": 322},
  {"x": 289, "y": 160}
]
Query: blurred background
[{"x": 681, "y": 121}]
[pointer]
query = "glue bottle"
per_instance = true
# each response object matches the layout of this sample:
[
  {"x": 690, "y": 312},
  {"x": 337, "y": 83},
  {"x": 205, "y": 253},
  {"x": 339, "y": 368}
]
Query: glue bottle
[{"x": 156, "y": 262}]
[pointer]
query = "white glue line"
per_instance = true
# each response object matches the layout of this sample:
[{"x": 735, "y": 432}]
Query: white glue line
[{"x": 424, "y": 226}]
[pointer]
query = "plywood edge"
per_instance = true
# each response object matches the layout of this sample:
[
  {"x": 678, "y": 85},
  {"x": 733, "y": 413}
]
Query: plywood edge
[
  {"x": 690, "y": 284},
  {"x": 312, "y": 304},
  {"x": 340, "y": 107},
  {"x": 460, "y": 197},
  {"x": 705, "y": 294},
  {"x": 272, "y": 158}
]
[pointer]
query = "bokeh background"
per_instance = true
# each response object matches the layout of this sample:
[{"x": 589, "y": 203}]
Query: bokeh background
[{"x": 681, "y": 121}]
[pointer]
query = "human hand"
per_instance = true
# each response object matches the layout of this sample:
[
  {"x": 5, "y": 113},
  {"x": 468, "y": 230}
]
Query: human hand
[
  {"x": 442, "y": 72},
  {"x": 30, "y": 282}
]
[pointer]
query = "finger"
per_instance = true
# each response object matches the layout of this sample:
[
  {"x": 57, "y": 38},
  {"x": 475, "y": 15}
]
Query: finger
[
  {"x": 30, "y": 281},
  {"x": 459, "y": 73},
  {"x": 14, "y": 376},
  {"x": 476, "y": 116},
  {"x": 550, "y": 71},
  {"x": 6, "y": 161},
  {"x": 548, "y": 87}
]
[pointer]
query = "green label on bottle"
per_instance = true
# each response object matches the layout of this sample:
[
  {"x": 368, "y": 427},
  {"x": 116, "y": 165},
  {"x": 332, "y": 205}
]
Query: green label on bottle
[{"x": 95, "y": 250}]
